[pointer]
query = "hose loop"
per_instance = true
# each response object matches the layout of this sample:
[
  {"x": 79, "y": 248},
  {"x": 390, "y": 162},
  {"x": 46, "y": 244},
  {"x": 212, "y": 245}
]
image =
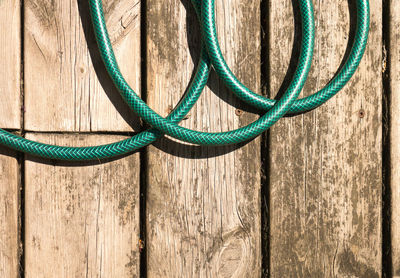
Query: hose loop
[{"x": 211, "y": 55}]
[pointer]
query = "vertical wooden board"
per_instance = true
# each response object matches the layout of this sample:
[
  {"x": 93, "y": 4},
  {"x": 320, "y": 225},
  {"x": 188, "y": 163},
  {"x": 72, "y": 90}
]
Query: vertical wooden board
[
  {"x": 10, "y": 48},
  {"x": 395, "y": 132},
  {"x": 203, "y": 204},
  {"x": 325, "y": 172},
  {"x": 9, "y": 232},
  {"x": 81, "y": 220},
  {"x": 64, "y": 72}
]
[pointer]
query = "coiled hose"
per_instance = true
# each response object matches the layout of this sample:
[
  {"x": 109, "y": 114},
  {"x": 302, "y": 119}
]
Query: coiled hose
[{"x": 210, "y": 55}]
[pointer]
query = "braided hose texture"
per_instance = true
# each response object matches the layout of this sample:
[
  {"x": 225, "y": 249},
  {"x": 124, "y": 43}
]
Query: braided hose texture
[{"x": 210, "y": 56}]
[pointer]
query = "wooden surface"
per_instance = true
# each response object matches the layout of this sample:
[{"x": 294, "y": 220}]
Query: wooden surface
[
  {"x": 395, "y": 133},
  {"x": 64, "y": 72},
  {"x": 10, "y": 66},
  {"x": 203, "y": 204},
  {"x": 9, "y": 210},
  {"x": 177, "y": 210},
  {"x": 81, "y": 220},
  {"x": 325, "y": 172}
]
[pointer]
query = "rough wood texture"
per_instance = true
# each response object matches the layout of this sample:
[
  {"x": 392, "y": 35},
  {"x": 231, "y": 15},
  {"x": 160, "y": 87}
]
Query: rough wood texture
[
  {"x": 10, "y": 43},
  {"x": 325, "y": 172},
  {"x": 395, "y": 132},
  {"x": 9, "y": 234},
  {"x": 81, "y": 220},
  {"x": 203, "y": 204},
  {"x": 64, "y": 72}
]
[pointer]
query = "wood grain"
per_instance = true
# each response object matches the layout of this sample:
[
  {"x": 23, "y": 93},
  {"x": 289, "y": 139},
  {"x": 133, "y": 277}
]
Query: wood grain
[
  {"x": 10, "y": 48},
  {"x": 63, "y": 70},
  {"x": 326, "y": 173},
  {"x": 10, "y": 61},
  {"x": 81, "y": 220},
  {"x": 9, "y": 206},
  {"x": 395, "y": 132},
  {"x": 203, "y": 204}
]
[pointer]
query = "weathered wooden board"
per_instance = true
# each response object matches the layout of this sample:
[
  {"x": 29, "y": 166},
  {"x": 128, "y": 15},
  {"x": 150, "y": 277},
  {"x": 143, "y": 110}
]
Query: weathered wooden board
[
  {"x": 395, "y": 132},
  {"x": 325, "y": 172},
  {"x": 81, "y": 220},
  {"x": 10, "y": 50},
  {"x": 203, "y": 204},
  {"x": 9, "y": 232},
  {"x": 64, "y": 72}
]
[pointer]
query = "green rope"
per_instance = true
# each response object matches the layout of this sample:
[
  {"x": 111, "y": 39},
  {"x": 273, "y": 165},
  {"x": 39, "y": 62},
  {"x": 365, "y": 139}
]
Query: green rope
[{"x": 210, "y": 53}]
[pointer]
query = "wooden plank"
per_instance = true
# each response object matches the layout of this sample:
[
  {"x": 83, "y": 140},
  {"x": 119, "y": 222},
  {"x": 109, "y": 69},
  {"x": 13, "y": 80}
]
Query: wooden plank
[
  {"x": 326, "y": 173},
  {"x": 9, "y": 198},
  {"x": 203, "y": 204},
  {"x": 64, "y": 72},
  {"x": 81, "y": 220},
  {"x": 10, "y": 48},
  {"x": 395, "y": 132}
]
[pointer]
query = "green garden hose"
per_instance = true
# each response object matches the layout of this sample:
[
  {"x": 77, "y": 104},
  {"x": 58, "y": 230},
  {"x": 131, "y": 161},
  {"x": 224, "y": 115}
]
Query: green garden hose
[
  {"x": 122, "y": 147},
  {"x": 276, "y": 109},
  {"x": 301, "y": 105}
]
